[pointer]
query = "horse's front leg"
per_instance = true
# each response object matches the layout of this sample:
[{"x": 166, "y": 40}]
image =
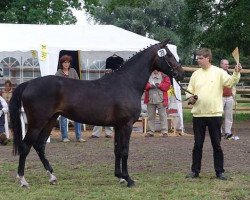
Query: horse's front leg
[
  {"x": 126, "y": 133},
  {"x": 117, "y": 151}
]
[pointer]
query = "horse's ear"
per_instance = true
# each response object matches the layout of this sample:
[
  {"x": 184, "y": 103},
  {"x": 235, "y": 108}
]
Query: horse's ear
[{"x": 164, "y": 42}]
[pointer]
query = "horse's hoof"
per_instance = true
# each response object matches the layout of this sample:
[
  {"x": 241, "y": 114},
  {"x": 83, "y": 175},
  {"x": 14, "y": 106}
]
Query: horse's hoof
[
  {"x": 121, "y": 181},
  {"x": 52, "y": 178},
  {"x": 54, "y": 182},
  {"x": 25, "y": 186},
  {"x": 23, "y": 182},
  {"x": 131, "y": 183}
]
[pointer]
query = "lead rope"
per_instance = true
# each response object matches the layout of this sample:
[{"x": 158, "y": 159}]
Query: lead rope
[{"x": 185, "y": 90}]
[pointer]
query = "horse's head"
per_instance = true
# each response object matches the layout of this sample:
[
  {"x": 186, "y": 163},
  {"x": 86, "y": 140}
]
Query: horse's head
[{"x": 166, "y": 60}]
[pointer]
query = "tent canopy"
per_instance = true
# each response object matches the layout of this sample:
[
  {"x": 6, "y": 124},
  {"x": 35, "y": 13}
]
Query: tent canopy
[
  {"x": 25, "y": 37},
  {"x": 89, "y": 38}
]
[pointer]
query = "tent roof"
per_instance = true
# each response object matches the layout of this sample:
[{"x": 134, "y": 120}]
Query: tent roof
[{"x": 25, "y": 37}]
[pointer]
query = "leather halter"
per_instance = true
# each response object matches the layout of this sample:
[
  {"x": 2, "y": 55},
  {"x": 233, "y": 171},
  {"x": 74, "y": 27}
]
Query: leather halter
[{"x": 172, "y": 69}]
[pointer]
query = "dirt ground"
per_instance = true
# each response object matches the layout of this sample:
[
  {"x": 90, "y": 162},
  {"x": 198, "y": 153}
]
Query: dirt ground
[{"x": 156, "y": 154}]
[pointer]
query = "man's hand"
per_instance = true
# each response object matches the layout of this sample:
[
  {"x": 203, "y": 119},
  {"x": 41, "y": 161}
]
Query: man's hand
[
  {"x": 192, "y": 100},
  {"x": 153, "y": 86},
  {"x": 238, "y": 68}
]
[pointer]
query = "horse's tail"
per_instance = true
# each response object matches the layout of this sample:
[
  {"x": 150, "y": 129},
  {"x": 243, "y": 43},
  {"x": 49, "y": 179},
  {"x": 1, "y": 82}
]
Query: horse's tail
[{"x": 15, "y": 121}]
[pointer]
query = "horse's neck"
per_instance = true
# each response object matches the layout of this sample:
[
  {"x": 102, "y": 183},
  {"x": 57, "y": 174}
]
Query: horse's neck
[{"x": 138, "y": 70}]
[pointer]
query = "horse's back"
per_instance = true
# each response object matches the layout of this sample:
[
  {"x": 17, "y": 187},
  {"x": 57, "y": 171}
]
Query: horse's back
[
  {"x": 41, "y": 95},
  {"x": 100, "y": 101},
  {"x": 41, "y": 88}
]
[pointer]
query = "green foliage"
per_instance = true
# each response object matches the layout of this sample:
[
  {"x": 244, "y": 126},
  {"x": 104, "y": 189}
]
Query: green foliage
[
  {"x": 220, "y": 26},
  {"x": 38, "y": 12},
  {"x": 155, "y": 19}
]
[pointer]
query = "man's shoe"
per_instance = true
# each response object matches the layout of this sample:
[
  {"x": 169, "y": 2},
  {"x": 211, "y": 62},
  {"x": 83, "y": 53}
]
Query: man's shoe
[
  {"x": 192, "y": 175},
  {"x": 149, "y": 134},
  {"x": 93, "y": 136},
  {"x": 164, "y": 134},
  {"x": 66, "y": 140},
  {"x": 221, "y": 176},
  {"x": 80, "y": 140},
  {"x": 108, "y": 136}
]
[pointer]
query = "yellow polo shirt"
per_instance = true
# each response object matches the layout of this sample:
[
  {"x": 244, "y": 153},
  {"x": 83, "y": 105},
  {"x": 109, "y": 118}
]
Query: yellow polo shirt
[{"x": 208, "y": 85}]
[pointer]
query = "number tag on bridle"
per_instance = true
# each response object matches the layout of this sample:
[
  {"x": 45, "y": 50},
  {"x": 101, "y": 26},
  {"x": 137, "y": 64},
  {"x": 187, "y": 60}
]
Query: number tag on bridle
[{"x": 162, "y": 52}]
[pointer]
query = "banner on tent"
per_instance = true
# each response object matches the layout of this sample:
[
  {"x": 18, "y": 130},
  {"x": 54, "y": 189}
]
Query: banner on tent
[
  {"x": 34, "y": 54},
  {"x": 44, "y": 52}
]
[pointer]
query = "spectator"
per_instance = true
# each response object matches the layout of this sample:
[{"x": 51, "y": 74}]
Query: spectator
[
  {"x": 68, "y": 72},
  {"x": 3, "y": 110},
  {"x": 228, "y": 103},
  {"x": 112, "y": 63},
  {"x": 98, "y": 129},
  {"x": 156, "y": 98},
  {"x": 7, "y": 94},
  {"x": 207, "y": 84},
  {"x": 7, "y": 91}
]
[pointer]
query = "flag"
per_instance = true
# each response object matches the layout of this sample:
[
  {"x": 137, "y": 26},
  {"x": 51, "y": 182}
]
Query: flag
[
  {"x": 236, "y": 55},
  {"x": 34, "y": 54},
  {"x": 44, "y": 52}
]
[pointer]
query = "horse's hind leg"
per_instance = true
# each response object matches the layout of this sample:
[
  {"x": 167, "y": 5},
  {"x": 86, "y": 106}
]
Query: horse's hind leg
[
  {"x": 24, "y": 150},
  {"x": 40, "y": 145},
  {"x": 125, "y": 133},
  {"x": 40, "y": 149}
]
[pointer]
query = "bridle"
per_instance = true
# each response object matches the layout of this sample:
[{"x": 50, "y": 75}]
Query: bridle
[
  {"x": 162, "y": 54},
  {"x": 173, "y": 70}
]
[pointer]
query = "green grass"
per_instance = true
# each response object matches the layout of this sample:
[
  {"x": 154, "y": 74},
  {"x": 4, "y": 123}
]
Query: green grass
[{"x": 98, "y": 182}]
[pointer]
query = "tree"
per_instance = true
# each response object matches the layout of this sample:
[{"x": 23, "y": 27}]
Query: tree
[
  {"x": 38, "y": 12},
  {"x": 4, "y": 6},
  {"x": 155, "y": 19},
  {"x": 220, "y": 25}
]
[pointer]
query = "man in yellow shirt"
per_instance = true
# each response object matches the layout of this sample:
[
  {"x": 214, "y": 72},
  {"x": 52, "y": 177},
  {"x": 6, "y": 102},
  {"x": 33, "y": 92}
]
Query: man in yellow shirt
[{"x": 207, "y": 84}]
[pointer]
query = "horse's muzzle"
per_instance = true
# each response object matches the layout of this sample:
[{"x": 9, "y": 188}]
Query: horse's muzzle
[{"x": 179, "y": 74}]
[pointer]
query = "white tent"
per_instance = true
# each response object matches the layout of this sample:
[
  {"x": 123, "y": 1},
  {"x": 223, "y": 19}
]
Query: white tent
[
  {"x": 54, "y": 38},
  {"x": 94, "y": 42}
]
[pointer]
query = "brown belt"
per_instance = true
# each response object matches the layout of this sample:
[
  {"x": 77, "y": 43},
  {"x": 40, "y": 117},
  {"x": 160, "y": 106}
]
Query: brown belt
[{"x": 227, "y": 96}]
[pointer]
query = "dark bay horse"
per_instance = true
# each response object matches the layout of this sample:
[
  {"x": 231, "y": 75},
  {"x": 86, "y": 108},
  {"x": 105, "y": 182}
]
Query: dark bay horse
[{"x": 113, "y": 100}]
